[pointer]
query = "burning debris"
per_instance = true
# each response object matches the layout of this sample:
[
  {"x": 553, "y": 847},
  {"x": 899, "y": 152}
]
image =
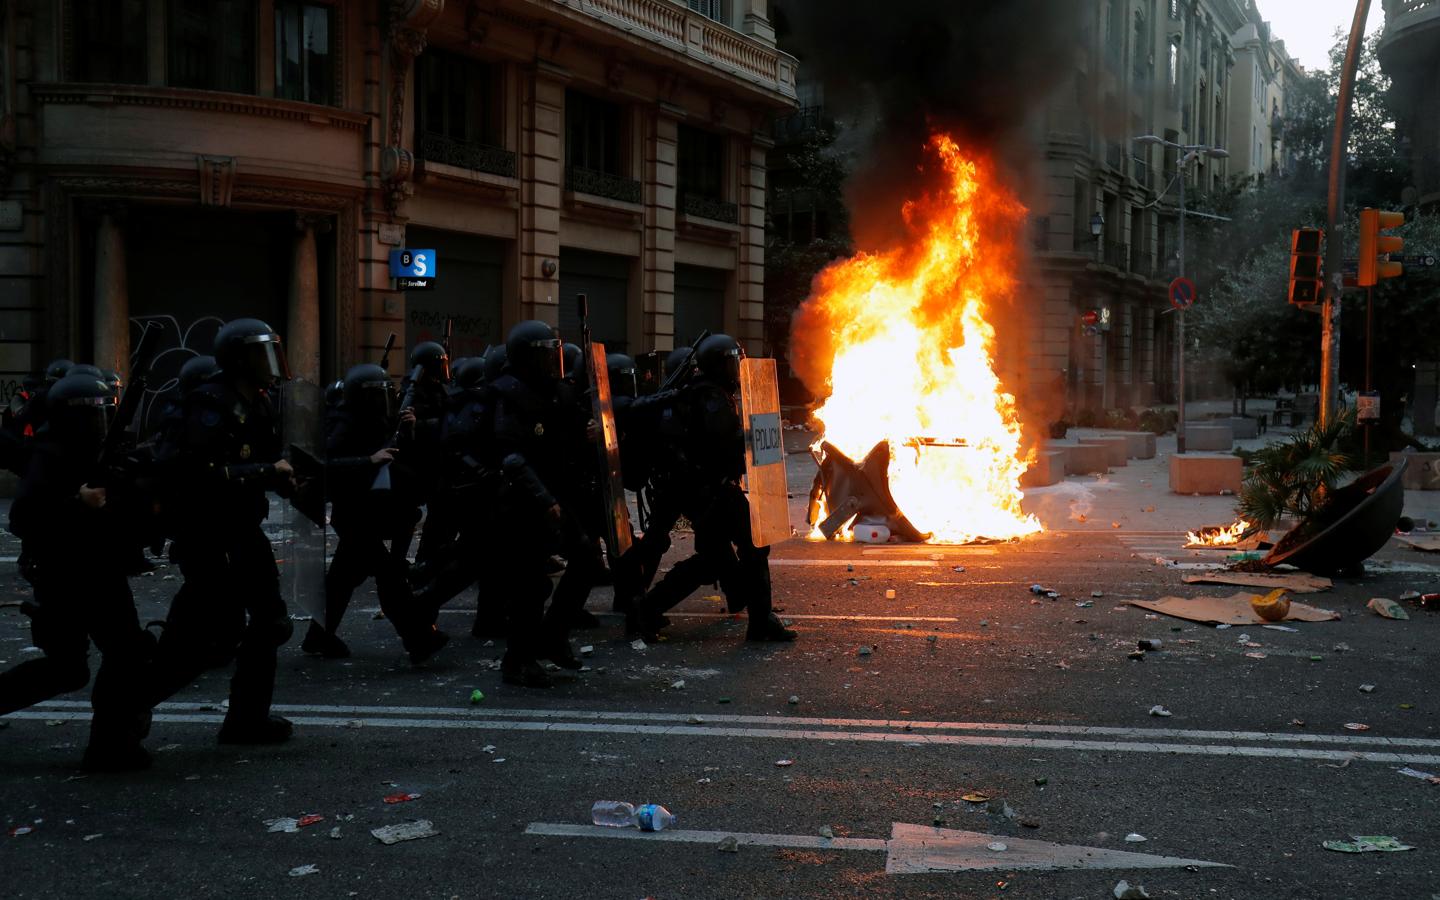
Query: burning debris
[
  {"x": 1219, "y": 535},
  {"x": 912, "y": 388}
]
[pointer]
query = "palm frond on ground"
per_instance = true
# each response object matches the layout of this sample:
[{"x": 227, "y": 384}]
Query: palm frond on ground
[{"x": 1294, "y": 477}]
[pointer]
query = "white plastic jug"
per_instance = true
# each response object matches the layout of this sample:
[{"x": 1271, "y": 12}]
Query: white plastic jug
[{"x": 872, "y": 534}]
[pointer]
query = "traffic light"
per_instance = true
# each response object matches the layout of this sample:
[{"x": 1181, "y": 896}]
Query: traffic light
[
  {"x": 1375, "y": 248},
  {"x": 1306, "y": 275}
]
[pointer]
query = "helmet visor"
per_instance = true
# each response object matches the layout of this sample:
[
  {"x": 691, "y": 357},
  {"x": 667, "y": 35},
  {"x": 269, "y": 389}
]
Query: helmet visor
[
  {"x": 623, "y": 382},
  {"x": 378, "y": 398},
  {"x": 549, "y": 357},
  {"x": 265, "y": 356},
  {"x": 88, "y": 418}
]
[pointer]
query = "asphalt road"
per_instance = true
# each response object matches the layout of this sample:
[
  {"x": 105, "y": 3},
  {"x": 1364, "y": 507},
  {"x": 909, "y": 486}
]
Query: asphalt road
[{"x": 972, "y": 685}]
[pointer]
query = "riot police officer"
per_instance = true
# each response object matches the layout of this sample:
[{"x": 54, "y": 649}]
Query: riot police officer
[
  {"x": 707, "y": 462},
  {"x": 229, "y": 456},
  {"x": 538, "y": 432},
  {"x": 369, "y": 509},
  {"x": 67, "y": 514},
  {"x": 430, "y": 394}
]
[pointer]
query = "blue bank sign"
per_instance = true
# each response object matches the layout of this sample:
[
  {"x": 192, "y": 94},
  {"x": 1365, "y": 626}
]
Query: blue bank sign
[{"x": 413, "y": 269}]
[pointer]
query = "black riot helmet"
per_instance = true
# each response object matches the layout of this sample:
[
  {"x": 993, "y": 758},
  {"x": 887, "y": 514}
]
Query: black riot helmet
[
  {"x": 334, "y": 394},
  {"x": 249, "y": 349},
  {"x": 87, "y": 370},
  {"x": 470, "y": 373},
  {"x": 574, "y": 360},
  {"x": 622, "y": 375},
  {"x": 368, "y": 392},
  {"x": 57, "y": 370},
  {"x": 79, "y": 408},
  {"x": 675, "y": 359},
  {"x": 719, "y": 358},
  {"x": 495, "y": 359},
  {"x": 533, "y": 351},
  {"x": 431, "y": 356},
  {"x": 196, "y": 371},
  {"x": 114, "y": 382}
]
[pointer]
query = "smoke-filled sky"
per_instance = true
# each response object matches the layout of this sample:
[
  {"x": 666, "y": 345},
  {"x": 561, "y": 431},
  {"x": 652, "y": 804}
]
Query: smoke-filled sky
[{"x": 1308, "y": 26}]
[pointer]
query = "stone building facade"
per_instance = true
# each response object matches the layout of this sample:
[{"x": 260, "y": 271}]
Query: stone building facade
[
  {"x": 1264, "y": 79},
  {"x": 1142, "y": 67},
  {"x": 1410, "y": 55},
  {"x": 177, "y": 163}
]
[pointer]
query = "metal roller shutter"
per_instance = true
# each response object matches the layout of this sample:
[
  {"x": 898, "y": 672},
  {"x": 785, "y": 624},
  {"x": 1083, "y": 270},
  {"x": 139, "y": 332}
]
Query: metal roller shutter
[{"x": 605, "y": 279}]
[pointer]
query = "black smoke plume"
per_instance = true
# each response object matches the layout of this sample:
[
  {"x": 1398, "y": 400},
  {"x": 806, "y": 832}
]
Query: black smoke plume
[{"x": 980, "y": 69}]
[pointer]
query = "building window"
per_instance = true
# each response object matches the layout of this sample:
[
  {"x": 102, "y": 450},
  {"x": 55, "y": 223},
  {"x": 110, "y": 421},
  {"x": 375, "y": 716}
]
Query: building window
[
  {"x": 701, "y": 176},
  {"x": 1141, "y": 48},
  {"x": 593, "y": 134},
  {"x": 719, "y": 10},
  {"x": 110, "y": 41},
  {"x": 458, "y": 114},
  {"x": 1174, "y": 9},
  {"x": 1173, "y": 68},
  {"x": 304, "y": 60},
  {"x": 211, "y": 45}
]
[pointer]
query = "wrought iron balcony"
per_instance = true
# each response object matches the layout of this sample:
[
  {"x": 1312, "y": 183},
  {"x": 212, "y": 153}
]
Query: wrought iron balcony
[
  {"x": 1140, "y": 171},
  {"x": 801, "y": 124},
  {"x": 702, "y": 207},
  {"x": 466, "y": 154},
  {"x": 602, "y": 184},
  {"x": 1117, "y": 254},
  {"x": 1115, "y": 157}
]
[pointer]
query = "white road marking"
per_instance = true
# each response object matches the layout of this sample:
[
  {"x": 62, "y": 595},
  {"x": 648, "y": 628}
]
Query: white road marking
[
  {"x": 465, "y": 719},
  {"x": 911, "y": 850},
  {"x": 557, "y": 829},
  {"x": 836, "y": 563},
  {"x": 829, "y": 618},
  {"x": 917, "y": 849}
]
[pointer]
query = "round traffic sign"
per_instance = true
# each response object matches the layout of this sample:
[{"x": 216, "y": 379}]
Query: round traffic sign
[
  {"x": 1090, "y": 317},
  {"x": 1182, "y": 293}
]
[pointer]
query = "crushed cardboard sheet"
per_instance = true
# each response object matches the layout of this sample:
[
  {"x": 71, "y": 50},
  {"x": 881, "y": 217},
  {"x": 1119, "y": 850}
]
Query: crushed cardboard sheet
[
  {"x": 1294, "y": 582},
  {"x": 1260, "y": 540},
  {"x": 1232, "y": 610},
  {"x": 1429, "y": 543}
]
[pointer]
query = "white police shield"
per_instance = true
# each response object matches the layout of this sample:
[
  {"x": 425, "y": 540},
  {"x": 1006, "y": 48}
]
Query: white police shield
[
  {"x": 301, "y": 519},
  {"x": 612, "y": 486},
  {"x": 764, "y": 452}
]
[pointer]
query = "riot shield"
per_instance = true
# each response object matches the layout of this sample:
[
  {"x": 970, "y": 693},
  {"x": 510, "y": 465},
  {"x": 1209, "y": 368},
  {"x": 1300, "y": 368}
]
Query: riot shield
[
  {"x": 612, "y": 487},
  {"x": 301, "y": 519},
  {"x": 649, "y": 372},
  {"x": 764, "y": 452}
]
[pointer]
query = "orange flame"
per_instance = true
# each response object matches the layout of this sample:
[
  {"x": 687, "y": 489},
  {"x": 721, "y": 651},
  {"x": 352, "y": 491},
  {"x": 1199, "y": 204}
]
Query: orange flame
[
  {"x": 1218, "y": 537},
  {"x": 902, "y": 342}
]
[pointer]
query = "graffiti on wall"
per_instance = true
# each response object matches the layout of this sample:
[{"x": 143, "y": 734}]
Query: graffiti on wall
[
  {"x": 176, "y": 344},
  {"x": 472, "y": 333}
]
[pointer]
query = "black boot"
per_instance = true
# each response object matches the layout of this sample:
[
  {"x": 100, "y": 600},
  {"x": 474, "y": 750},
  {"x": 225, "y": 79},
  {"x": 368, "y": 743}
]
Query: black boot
[
  {"x": 560, "y": 653},
  {"x": 424, "y": 644},
  {"x": 524, "y": 674},
  {"x": 269, "y": 730},
  {"x": 319, "y": 642},
  {"x": 769, "y": 628},
  {"x": 117, "y": 758}
]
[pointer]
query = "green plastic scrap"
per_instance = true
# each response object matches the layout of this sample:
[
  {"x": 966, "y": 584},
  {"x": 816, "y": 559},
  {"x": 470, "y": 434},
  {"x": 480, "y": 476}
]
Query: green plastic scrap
[
  {"x": 477, "y": 696},
  {"x": 1368, "y": 843}
]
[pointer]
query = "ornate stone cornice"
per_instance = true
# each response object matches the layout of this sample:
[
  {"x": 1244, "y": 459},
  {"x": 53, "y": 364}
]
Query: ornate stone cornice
[
  {"x": 409, "y": 20},
  {"x": 209, "y": 101}
]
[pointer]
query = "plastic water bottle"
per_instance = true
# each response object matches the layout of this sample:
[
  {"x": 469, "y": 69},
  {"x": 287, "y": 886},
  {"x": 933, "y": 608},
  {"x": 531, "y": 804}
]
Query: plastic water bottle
[
  {"x": 653, "y": 817},
  {"x": 613, "y": 813}
]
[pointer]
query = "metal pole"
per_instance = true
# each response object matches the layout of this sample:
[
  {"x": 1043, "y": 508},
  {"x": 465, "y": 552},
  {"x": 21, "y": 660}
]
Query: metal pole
[
  {"x": 1334, "y": 243},
  {"x": 1369, "y": 317},
  {"x": 1180, "y": 320}
]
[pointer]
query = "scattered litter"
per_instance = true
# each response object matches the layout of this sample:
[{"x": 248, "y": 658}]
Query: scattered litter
[
  {"x": 784, "y": 763},
  {"x": 1097, "y": 594},
  {"x": 1407, "y": 706},
  {"x": 890, "y": 594},
  {"x": 310, "y": 819},
  {"x": 1367, "y": 688},
  {"x": 1160, "y": 711},
  {"x": 1134, "y": 838},
  {"x": 1232, "y": 610},
  {"x": 1126, "y": 891},
  {"x": 1341, "y": 648},
  {"x": 1137, "y": 655},
  {"x": 477, "y": 696},
  {"x": 958, "y": 569},
  {"x": 932, "y": 638},
  {"x": 1356, "y": 726},
  {"x": 92, "y": 837},
  {"x": 638, "y": 644},
  {"x": 1416, "y": 773},
  {"x": 1256, "y": 655},
  {"x": 488, "y": 748},
  {"x": 301, "y": 871},
  {"x": 335, "y": 832},
  {"x": 401, "y": 798},
  {"x": 1345, "y": 764},
  {"x": 827, "y": 832},
  {"x": 1084, "y": 604},
  {"x": 976, "y": 797},
  {"x": 794, "y": 699},
  {"x": 1387, "y": 608},
  {"x": 1149, "y": 644},
  {"x": 997, "y": 846},
  {"x": 405, "y": 831},
  {"x": 1041, "y": 782},
  {"x": 1294, "y": 582},
  {"x": 723, "y": 700},
  {"x": 677, "y": 685},
  {"x": 18, "y": 830},
  {"x": 728, "y": 845},
  {"x": 1368, "y": 843},
  {"x": 1272, "y": 607},
  {"x": 1283, "y": 628},
  {"x": 1298, "y": 723},
  {"x": 865, "y": 651},
  {"x": 587, "y": 650}
]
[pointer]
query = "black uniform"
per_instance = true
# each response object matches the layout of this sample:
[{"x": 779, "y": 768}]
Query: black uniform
[
  {"x": 365, "y": 515},
  {"x": 77, "y": 569},
  {"x": 227, "y": 461}
]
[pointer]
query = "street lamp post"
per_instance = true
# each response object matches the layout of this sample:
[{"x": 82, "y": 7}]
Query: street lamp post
[{"x": 1189, "y": 153}]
